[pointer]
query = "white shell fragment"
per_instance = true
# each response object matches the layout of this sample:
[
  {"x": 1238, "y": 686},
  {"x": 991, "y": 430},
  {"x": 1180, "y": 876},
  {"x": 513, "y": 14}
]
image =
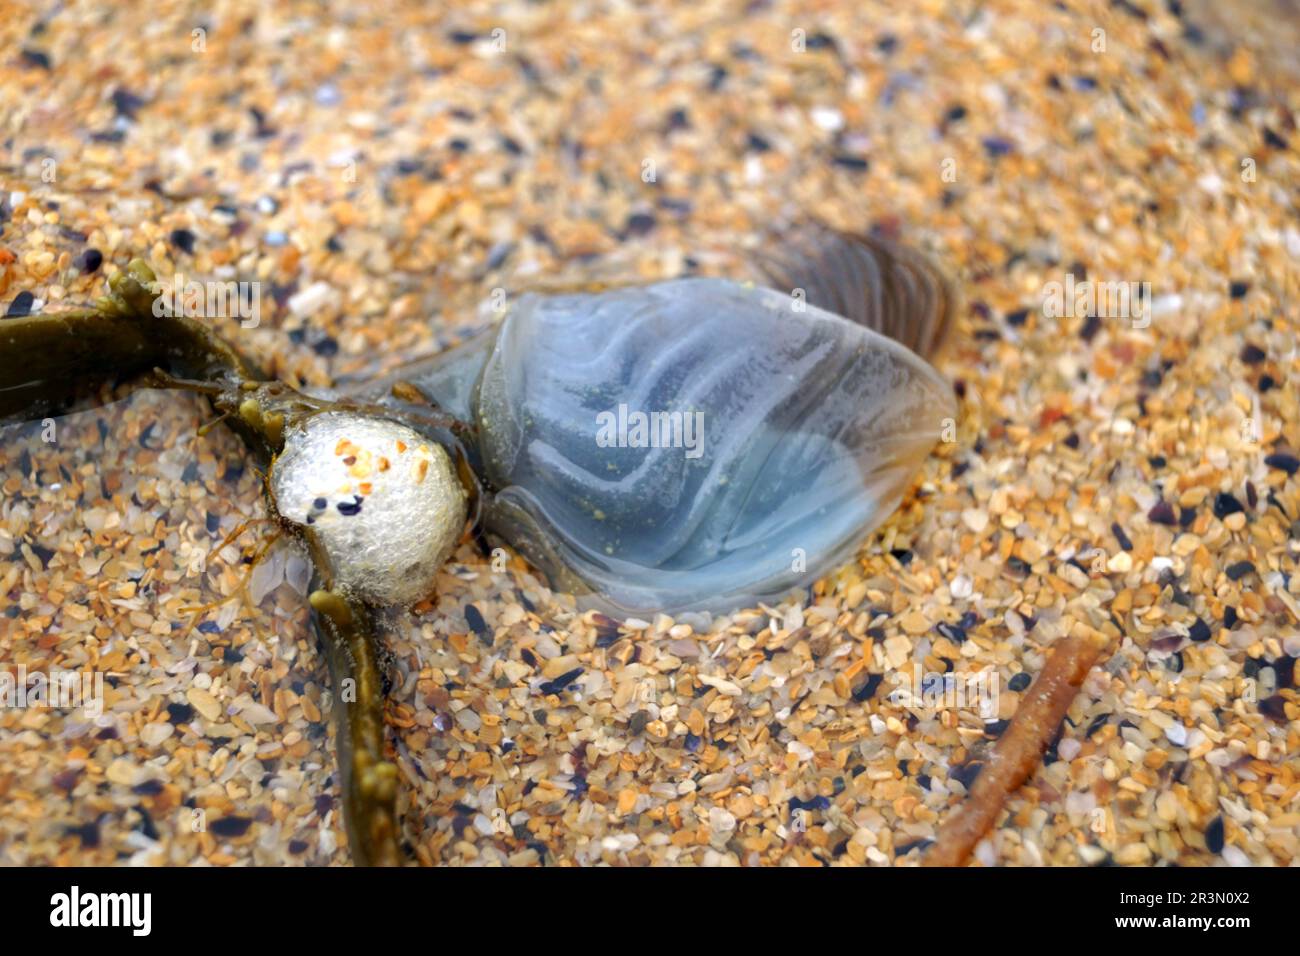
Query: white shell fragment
[{"x": 383, "y": 500}]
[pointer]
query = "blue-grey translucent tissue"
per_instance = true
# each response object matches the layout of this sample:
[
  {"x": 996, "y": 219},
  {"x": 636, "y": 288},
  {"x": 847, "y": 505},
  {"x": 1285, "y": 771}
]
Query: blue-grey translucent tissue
[{"x": 694, "y": 444}]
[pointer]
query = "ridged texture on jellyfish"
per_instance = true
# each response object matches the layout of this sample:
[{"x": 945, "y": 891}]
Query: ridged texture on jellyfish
[
  {"x": 384, "y": 501},
  {"x": 812, "y": 428}
]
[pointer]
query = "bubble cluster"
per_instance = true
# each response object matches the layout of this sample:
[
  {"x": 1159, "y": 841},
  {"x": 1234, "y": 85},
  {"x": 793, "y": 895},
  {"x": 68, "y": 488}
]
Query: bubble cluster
[{"x": 383, "y": 500}]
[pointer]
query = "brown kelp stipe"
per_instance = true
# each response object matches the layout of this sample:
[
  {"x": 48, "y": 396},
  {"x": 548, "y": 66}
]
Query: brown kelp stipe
[
  {"x": 369, "y": 781},
  {"x": 1018, "y": 752},
  {"x": 48, "y": 360}
]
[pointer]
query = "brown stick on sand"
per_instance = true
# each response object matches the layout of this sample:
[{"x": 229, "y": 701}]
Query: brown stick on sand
[{"x": 1017, "y": 753}]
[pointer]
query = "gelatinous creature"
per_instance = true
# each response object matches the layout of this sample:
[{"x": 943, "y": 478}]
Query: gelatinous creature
[
  {"x": 693, "y": 444},
  {"x": 699, "y": 444}
]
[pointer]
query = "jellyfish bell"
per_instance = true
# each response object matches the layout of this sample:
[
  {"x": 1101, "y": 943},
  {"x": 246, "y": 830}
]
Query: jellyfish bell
[{"x": 697, "y": 445}]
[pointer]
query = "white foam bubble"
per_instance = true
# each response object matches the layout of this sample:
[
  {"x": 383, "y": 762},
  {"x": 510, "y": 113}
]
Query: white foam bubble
[{"x": 384, "y": 501}]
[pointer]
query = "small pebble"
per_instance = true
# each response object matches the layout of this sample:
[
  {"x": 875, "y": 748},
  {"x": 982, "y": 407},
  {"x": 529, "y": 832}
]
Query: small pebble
[
  {"x": 90, "y": 261},
  {"x": 1225, "y": 504},
  {"x": 1214, "y": 835},
  {"x": 21, "y": 305},
  {"x": 1162, "y": 513},
  {"x": 1283, "y": 461},
  {"x": 183, "y": 240}
]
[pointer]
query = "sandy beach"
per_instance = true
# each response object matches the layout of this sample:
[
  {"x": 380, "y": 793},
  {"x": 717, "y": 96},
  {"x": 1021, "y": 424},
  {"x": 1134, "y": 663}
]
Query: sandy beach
[{"x": 1111, "y": 187}]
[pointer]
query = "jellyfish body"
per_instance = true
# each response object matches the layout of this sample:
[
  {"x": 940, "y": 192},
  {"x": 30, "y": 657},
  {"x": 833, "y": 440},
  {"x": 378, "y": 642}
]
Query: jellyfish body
[{"x": 698, "y": 444}]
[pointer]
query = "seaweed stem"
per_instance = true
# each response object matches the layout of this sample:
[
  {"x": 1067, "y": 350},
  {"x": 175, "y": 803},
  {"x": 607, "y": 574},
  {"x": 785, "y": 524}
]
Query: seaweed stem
[
  {"x": 48, "y": 358},
  {"x": 1020, "y": 748},
  {"x": 370, "y": 779}
]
